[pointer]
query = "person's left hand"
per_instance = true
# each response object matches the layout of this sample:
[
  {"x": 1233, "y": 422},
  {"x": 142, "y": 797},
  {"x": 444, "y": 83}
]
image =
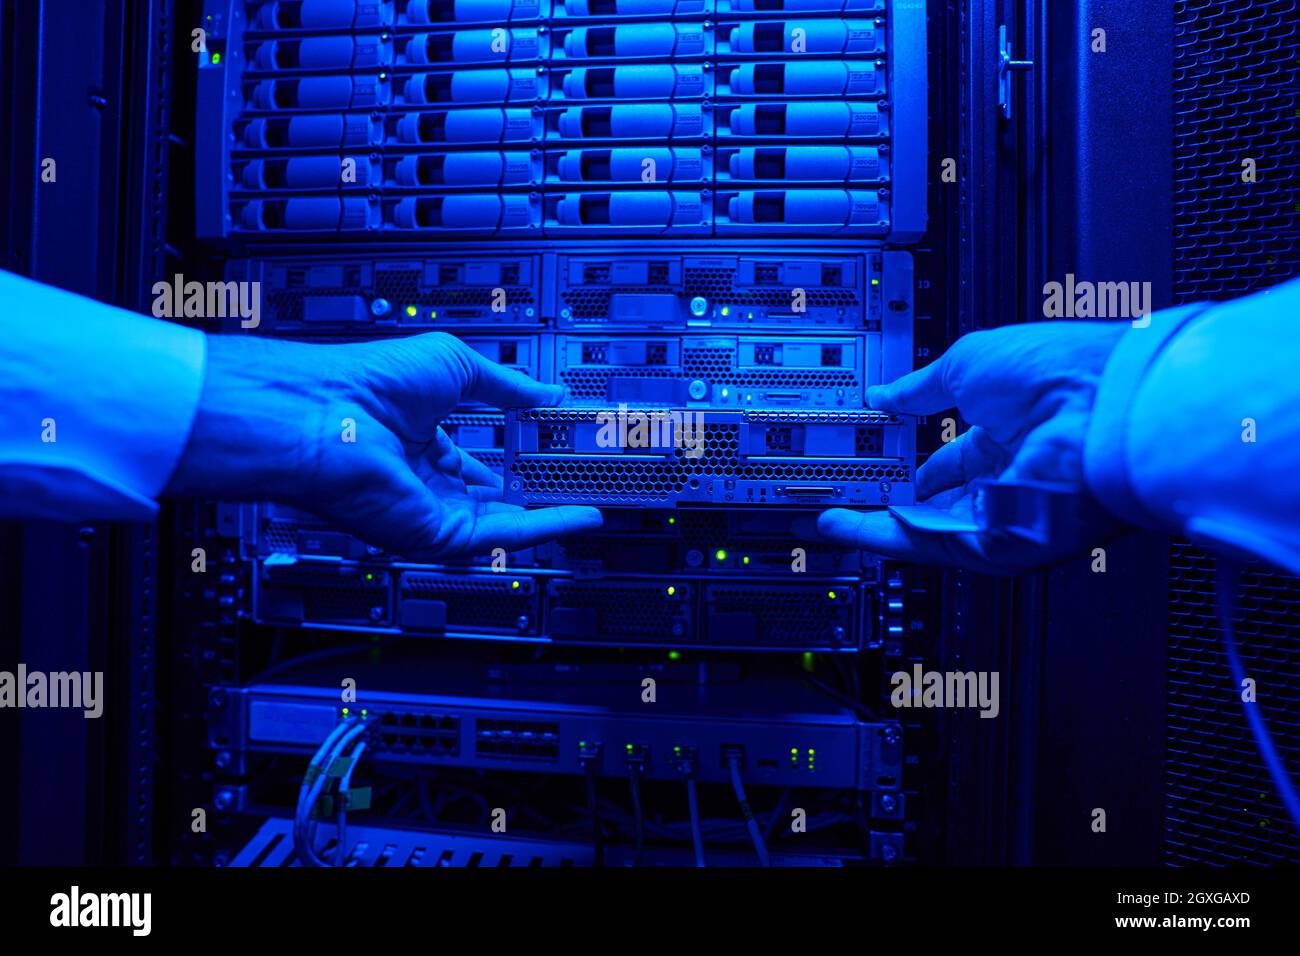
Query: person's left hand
[{"x": 351, "y": 433}]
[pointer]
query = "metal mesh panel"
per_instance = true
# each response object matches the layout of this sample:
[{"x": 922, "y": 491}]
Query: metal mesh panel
[{"x": 1236, "y": 73}]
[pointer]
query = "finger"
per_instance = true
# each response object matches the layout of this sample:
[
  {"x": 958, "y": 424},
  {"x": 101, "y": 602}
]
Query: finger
[
  {"x": 971, "y": 455},
  {"x": 476, "y": 473},
  {"x": 521, "y": 529},
  {"x": 443, "y": 454},
  {"x": 1052, "y": 451},
  {"x": 484, "y": 493},
  {"x": 502, "y": 387},
  {"x": 881, "y": 533},
  {"x": 498, "y": 507},
  {"x": 922, "y": 392}
]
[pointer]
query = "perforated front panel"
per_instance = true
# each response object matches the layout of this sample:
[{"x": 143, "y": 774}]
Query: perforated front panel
[{"x": 1236, "y": 73}]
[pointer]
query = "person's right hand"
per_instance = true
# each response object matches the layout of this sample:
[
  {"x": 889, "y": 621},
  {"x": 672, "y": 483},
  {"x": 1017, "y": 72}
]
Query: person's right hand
[
  {"x": 352, "y": 433},
  {"x": 1027, "y": 392}
]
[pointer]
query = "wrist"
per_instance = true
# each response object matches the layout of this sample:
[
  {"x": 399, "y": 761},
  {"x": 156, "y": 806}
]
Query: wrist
[{"x": 262, "y": 414}]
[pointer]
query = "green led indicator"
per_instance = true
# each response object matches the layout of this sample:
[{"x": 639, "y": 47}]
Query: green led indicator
[
  {"x": 412, "y": 311},
  {"x": 345, "y": 711},
  {"x": 875, "y": 282},
  {"x": 514, "y": 585},
  {"x": 725, "y": 393},
  {"x": 720, "y": 555},
  {"x": 629, "y": 748},
  {"x": 726, "y": 310},
  {"x": 677, "y": 750},
  {"x": 674, "y": 655},
  {"x": 745, "y": 559},
  {"x": 369, "y": 576},
  {"x": 216, "y": 58},
  {"x": 830, "y": 595},
  {"x": 433, "y": 314},
  {"x": 811, "y": 752},
  {"x": 672, "y": 520},
  {"x": 794, "y": 751},
  {"x": 671, "y": 590}
]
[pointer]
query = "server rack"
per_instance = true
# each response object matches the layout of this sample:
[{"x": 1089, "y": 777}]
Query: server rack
[{"x": 331, "y": 258}]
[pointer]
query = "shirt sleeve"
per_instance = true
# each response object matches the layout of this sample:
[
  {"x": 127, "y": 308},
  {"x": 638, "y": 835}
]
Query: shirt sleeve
[
  {"x": 1196, "y": 426},
  {"x": 96, "y": 404}
]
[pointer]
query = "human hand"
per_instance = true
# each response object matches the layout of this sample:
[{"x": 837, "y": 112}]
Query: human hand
[
  {"x": 351, "y": 434},
  {"x": 1027, "y": 391}
]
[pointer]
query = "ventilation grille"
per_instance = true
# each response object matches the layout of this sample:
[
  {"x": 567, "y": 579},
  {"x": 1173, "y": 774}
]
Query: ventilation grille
[
  {"x": 718, "y": 285},
  {"x": 627, "y": 611},
  {"x": 280, "y": 535},
  {"x": 781, "y": 616},
  {"x": 1236, "y": 73},
  {"x": 499, "y": 603},
  {"x": 610, "y": 479},
  {"x": 1221, "y": 804}
]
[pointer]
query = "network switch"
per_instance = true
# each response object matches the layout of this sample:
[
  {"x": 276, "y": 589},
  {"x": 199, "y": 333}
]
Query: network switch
[
  {"x": 440, "y": 713},
  {"x": 657, "y": 457}
]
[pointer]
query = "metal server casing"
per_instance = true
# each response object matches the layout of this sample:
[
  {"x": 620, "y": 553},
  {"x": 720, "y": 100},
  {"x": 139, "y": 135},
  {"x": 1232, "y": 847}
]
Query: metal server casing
[{"x": 667, "y": 458}]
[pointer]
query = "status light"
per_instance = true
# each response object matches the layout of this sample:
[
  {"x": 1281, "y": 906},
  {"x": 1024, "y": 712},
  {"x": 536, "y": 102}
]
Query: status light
[
  {"x": 671, "y": 590},
  {"x": 514, "y": 585},
  {"x": 216, "y": 58},
  {"x": 412, "y": 311},
  {"x": 720, "y": 555},
  {"x": 830, "y": 595}
]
